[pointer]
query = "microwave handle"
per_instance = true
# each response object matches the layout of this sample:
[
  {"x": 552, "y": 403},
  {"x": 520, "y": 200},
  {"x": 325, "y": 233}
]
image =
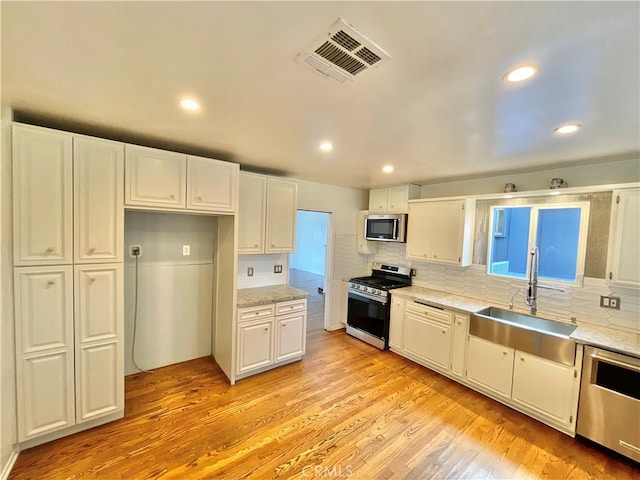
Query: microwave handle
[{"x": 395, "y": 228}]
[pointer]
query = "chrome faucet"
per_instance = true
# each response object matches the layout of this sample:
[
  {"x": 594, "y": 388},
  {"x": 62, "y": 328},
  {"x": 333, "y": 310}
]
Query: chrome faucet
[{"x": 532, "y": 290}]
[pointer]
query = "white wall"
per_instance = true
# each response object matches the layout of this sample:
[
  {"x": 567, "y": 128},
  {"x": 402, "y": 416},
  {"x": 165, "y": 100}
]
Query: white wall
[
  {"x": 175, "y": 291},
  {"x": 311, "y": 242},
  {"x": 603, "y": 173},
  {"x": 343, "y": 204},
  {"x": 8, "y": 432}
]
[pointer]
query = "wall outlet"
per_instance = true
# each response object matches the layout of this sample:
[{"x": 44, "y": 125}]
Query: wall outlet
[
  {"x": 413, "y": 272},
  {"x": 135, "y": 251},
  {"x": 277, "y": 269},
  {"x": 250, "y": 272},
  {"x": 610, "y": 302},
  {"x": 186, "y": 250}
]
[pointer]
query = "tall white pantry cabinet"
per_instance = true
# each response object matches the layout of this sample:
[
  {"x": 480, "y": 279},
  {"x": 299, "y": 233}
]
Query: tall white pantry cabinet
[{"x": 68, "y": 276}]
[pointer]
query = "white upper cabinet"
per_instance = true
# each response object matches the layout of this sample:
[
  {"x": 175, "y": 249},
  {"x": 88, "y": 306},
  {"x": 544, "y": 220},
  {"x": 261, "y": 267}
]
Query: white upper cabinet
[
  {"x": 212, "y": 185},
  {"x": 98, "y": 167},
  {"x": 282, "y": 196},
  {"x": 441, "y": 231},
  {"x": 624, "y": 238},
  {"x": 155, "y": 178},
  {"x": 43, "y": 196},
  {"x": 393, "y": 199},
  {"x": 267, "y": 214},
  {"x": 252, "y": 213}
]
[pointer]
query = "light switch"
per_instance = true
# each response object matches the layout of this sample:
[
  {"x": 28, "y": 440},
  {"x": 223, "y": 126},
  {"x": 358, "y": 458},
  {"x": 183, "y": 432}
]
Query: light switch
[{"x": 186, "y": 250}]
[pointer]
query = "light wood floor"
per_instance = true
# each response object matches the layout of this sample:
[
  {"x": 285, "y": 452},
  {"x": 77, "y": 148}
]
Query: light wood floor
[
  {"x": 310, "y": 282},
  {"x": 347, "y": 410}
]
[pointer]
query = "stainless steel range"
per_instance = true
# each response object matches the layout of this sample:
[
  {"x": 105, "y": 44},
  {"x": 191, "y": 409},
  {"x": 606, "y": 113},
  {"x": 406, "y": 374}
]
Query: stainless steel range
[{"x": 369, "y": 308}]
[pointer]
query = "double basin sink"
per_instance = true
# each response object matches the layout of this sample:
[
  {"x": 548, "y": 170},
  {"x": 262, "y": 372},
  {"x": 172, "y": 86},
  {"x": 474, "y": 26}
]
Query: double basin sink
[{"x": 537, "y": 336}]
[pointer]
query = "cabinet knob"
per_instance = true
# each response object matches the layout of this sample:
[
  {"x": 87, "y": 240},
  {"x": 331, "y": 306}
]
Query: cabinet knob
[
  {"x": 266, "y": 329},
  {"x": 273, "y": 245},
  {"x": 392, "y": 206},
  {"x": 444, "y": 332},
  {"x": 255, "y": 245},
  {"x": 51, "y": 282},
  {"x": 172, "y": 195},
  {"x": 50, "y": 250},
  {"x": 92, "y": 280},
  {"x": 504, "y": 353},
  {"x": 435, "y": 256},
  {"x": 522, "y": 359},
  {"x": 92, "y": 249},
  {"x": 257, "y": 313},
  {"x": 426, "y": 255},
  {"x": 459, "y": 322},
  {"x": 284, "y": 325},
  {"x": 199, "y": 198}
]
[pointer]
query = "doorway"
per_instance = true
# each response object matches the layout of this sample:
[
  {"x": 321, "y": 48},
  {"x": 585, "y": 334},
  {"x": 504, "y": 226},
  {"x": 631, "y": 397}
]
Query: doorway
[{"x": 308, "y": 265}]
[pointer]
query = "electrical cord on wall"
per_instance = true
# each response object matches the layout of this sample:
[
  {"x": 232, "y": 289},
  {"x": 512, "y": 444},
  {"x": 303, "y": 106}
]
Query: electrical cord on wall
[{"x": 135, "y": 320}]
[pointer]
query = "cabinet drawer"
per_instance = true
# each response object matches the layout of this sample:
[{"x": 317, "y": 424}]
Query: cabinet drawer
[
  {"x": 433, "y": 314},
  {"x": 253, "y": 313},
  {"x": 293, "y": 306}
]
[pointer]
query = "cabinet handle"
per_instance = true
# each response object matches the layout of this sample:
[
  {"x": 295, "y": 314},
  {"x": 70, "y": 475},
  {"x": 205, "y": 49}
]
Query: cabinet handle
[
  {"x": 50, "y": 250},
  {"x": 172, "y": 195},
  {"x": 92, "y": 249},
  {"x": 51, "y": 282}
]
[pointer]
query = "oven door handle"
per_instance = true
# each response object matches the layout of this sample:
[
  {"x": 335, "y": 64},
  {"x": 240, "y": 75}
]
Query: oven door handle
[
  {"x": 607, "y": 358},
  {"x": 368, "y": 297}
]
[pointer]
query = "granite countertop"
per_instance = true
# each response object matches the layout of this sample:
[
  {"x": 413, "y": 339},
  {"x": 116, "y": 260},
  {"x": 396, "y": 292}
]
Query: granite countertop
[
  {"x": 252, "y": 297},
  {"x": 598, "y": 336}
]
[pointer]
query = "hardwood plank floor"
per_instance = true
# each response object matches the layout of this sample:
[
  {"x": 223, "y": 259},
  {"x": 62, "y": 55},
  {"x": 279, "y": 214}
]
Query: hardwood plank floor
[
  {"x": 347, "y": 410},
  {"x": 310, "y": 282}
]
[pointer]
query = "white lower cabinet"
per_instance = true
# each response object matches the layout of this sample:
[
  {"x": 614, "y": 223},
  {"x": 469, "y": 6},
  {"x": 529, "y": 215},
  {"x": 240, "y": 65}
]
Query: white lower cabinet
[
  {"x": 490, "y": 366},
  {"x": 270, "y": 335},
  {"x": 70, "y": 363},
  {"x": 459, "y": 344},
  {"x": 546, "y": 387},
  {"x": 427, "y": 334},
  {"x": 255, "y": 345},
  {"x": 396, "y": 323}
]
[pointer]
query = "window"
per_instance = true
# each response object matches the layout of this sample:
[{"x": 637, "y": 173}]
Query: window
[{"x": 558, "y": 230}]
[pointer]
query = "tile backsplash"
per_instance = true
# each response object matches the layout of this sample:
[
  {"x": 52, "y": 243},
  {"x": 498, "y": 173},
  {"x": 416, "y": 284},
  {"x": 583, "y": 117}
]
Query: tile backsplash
[{"x": 583, "y": 303}]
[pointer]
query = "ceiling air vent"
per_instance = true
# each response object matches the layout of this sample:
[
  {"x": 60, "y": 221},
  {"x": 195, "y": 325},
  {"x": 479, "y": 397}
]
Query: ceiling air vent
[{"x": 343, "y": 53}]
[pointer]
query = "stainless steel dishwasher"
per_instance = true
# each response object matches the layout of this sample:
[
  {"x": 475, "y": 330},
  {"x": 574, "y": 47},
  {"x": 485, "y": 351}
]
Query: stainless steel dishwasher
[{"x": 609, "y": 409}]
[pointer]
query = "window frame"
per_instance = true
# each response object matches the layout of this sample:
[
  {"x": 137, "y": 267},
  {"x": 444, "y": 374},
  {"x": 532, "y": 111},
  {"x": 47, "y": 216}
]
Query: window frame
[{"x": 533, "y": 232}]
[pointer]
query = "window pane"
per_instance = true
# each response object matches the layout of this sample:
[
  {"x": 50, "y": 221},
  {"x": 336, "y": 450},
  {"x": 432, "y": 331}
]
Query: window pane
[
  {"x": 510, "y": 243},
  {"x": 557, "y": 240}
]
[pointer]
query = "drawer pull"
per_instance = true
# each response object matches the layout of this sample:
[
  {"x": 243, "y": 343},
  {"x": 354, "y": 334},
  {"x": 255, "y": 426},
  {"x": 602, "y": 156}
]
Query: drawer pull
[
  {"x": 92, "y": 280},
  {"x": 199, "y": 198},
  {"x": 172, "y": 195},
  {"x": 444, "y": 332},
  {"x": 50, "y": 250},
  {"x": 51, "y": 282},
  {"x": 266, "y": 329},
  {"x": 504, "y": 353},
  {"x": 255, "y": 245}
]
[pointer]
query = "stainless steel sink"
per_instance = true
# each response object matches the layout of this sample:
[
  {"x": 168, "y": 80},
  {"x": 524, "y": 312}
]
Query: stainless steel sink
[{"x": 538, "y": 336}]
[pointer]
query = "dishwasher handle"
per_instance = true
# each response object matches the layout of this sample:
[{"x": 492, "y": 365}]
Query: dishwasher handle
[{"x": 611, "y": 358}]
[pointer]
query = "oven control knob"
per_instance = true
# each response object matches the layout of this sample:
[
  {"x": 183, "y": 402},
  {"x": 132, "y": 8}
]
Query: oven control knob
[
  {"x": 378, "y": 292},
  {"x": 357, "y": 287},
  {"x": 366, "y": 289}
]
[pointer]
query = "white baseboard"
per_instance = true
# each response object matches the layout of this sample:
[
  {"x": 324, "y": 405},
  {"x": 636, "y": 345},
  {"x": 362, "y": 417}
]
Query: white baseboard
[{"x": 9, "y": 465}]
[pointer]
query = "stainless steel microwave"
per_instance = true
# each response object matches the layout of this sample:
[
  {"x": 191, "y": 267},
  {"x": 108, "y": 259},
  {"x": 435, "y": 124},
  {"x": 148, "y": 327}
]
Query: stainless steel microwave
[{"x": 386, "y": 228}]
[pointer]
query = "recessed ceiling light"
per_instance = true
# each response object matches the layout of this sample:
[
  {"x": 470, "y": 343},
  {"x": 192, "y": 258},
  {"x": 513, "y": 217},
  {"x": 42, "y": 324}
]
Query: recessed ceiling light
[
  {"x": 521, "y": 73},
  {"x": 326, "y": 146},
  {"x": 567, "y": 129},
  {"x": 189, "y": 104},
  {"x": 387, "y": 168}
]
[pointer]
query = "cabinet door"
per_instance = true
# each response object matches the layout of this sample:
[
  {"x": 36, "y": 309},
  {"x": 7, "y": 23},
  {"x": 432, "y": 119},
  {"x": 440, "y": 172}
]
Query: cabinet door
[
  {"x": 44, "y": 349},
  {"x": 397, "y": 199},
  {"x": 155, "y": 178},
  {"x": 624, "y": 255},
  {"x": 212, "y": 185},
  {"x": 362, "y": 245},
  {"x": 428, "y": 340},
  {"x": 98, "y": 170},
  {"x": 419, "y": 230},
  {"x": 42, "y": 196},
  {"x": 290, "y": 336},
  {"x": 255, "y": 345},
  {"x": 490, "y": 366},
  {"x": 282, "y": 199},
  {"x": 396, "y": 323},
  {"x": 459, "y": 344},
  {"x": 99, "y": 314},
  {"x": 252, "y": 213},
  {"x": 447, "y": 224},
  {"x": 378, "y": 201},
  {"x": 544, "y": 386}
]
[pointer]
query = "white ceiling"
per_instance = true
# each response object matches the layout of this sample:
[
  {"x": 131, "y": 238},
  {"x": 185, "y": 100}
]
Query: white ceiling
[{"x": 439, "y": 109}]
